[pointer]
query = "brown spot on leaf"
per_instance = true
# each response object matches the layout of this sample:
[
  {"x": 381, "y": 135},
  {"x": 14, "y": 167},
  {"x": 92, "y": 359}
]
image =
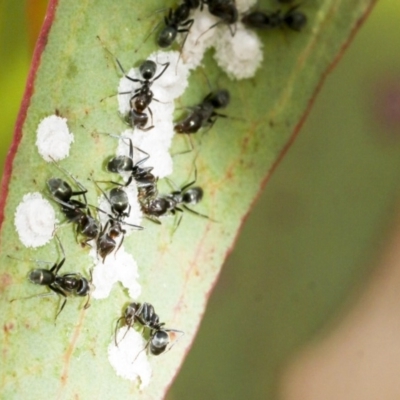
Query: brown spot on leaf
[
  {"x": 5, "y": 280},
  {"x": 386, "y": 105},
  {"x": 8, "y": 327}
]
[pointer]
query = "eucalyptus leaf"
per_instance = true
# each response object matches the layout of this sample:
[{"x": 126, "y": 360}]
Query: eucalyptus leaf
[{"x": 71, "y": 73}]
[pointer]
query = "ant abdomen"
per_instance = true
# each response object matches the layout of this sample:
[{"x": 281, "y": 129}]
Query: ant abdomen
[
  {"x": 41, "y": 276},
  {"x": 120, "y": 164},
  {"x": 191, "y": 124},
  {"x": 159, "y": 342}
]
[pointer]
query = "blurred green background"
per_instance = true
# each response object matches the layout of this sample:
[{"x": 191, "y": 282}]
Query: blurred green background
[{"x": 316, "y": 231}]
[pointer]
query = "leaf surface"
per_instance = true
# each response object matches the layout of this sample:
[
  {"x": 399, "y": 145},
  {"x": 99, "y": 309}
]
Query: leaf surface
[{"x": 71, "y": 73}]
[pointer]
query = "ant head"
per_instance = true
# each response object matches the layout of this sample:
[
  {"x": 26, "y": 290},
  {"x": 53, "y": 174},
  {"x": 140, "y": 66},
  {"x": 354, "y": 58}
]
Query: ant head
[
  {"x": 59, "y": 189},
  {"x": 148, "y": 69},
  {"x": 220, "y": 99},
  {"x": 295, "y": 20},
  {"x": 159, "y": 342},
  {"x": 130, "y": 312},
  {"x": 193, "y": 195},
  {"x": 120, "y": 164}
]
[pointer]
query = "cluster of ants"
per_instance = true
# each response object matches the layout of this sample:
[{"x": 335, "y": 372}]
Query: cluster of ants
[
  {"x": 73, "y": 203},
  {"x": 179, "y": 21}
]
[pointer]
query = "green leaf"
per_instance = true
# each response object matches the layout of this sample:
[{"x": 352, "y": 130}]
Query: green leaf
[{"x": 69, "y": 360}]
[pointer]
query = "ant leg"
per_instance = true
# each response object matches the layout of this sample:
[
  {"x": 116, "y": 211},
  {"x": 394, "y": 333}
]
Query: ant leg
[
  {"x": 147, "y": 37},
  {"x": 138, "y": 227},
  {"x": 108, "y": 215},
  {"x": 188, "y": 137},
  {"x": 143, "y": 152},
  {"x": 152, "y": 218},
  {"x": 183, "y": 188},
  {"x": 144, "y": 348},
  {"x": 101, "y": 190},
  {"x": 30, "y": 259},
  {"x": 60, "y": 264},
  {"x": 156, "y": 26},
  {"x": 113, "y": 182},
  {"x": 166, "y": 65},
  {"x": 115, "y": 331},
  {"x": 188, "y": 23},
  {"x": 61, "y": 293},
  {"x": 231, "y": 30},
  {"x": 197, "y": 213},
  {"x": 87, "y": 305},
  {"x": 113, "y": 95},
  {"x": 160, "y": 10},
  {"x": 33, "y": 296},
  {"x": 151, "y": 116},
  {"x": 173, "y": 184},
  {"x": 62, "y": 307},
  {"x": 212, "y": 26},
  {"x": 120, "y": 243},
  {"x": 129, "y": 326},
  {"x": 177, "y": 224},
  {"x": 211, "y": 121},
  {"x": 76, "y": 193},
  {"x": 176, "y": 340},
  {"x": 57, "y": 267},
  {"x": 162, "y": 102},
  {"x": 115, "y": 58}
]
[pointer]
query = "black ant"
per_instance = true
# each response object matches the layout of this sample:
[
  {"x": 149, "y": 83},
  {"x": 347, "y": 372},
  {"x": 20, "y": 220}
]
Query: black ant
[
  {"x": 177, "y": 22},
  {"x": 292, "y": 19},
  {"x": 142, "y": 175},
  {"x": 73, "y": 284},
  {"x": 204, "y": 114},
  {"x": 225, "y": 10},
  {"x": 74, "y": 210},
  {"x": 142, "y": 96},
  {"x": 145, "y": 315},
  {"x": 120, "y": 209},
  {"x": 177, "y": 201}
]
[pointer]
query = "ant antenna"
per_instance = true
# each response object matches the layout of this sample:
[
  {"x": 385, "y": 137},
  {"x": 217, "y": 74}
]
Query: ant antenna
[
  {"x": 155, "y": 27},
  {"x": 33, "y": 296},
  {"x": 92, "y": 287},
  {"x": 189, "y": 24},
  {"x": 149, "y": 34}
]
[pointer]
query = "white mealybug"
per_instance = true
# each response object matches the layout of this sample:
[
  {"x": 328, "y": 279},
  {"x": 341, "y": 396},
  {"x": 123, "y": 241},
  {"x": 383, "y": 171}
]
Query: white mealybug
[
  {"x": 119, "y": 266},
  {"x": 241, "y": 55},
  {"x": 131, "y": 344},
  {"x": 34, "y": 220},
  {"x": 53, "y": 138}
]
